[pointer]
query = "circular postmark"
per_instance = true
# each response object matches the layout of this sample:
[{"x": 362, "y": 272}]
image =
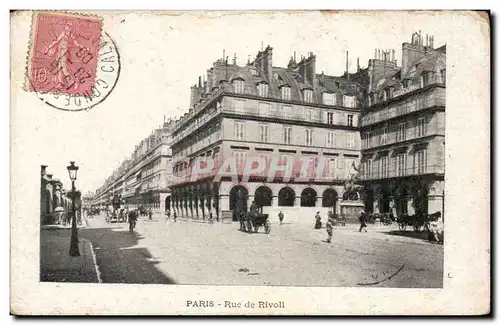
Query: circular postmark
[{"x": 107, "y": 72}]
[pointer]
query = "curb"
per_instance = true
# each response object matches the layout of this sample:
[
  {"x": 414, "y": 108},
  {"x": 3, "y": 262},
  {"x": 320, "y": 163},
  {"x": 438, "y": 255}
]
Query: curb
[{"x": 96, "y": 267}]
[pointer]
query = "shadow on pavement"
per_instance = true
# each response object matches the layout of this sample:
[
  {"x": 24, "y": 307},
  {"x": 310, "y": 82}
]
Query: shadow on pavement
[
  {"x": 119, "y": 261},
  {"x": 411, "y": 234}
]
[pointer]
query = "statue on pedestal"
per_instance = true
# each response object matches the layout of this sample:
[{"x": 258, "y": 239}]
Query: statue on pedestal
[{"x": 351, "y": 190}]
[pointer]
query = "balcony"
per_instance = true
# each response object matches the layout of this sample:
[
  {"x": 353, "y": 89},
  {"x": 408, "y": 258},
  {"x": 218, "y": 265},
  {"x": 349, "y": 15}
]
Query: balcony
[
  {"x": 193, "y": 127},
  {"x": 287, "y": 116},
  {"x": 401, "y": 109},
  {"x": 413, "y": 171}
]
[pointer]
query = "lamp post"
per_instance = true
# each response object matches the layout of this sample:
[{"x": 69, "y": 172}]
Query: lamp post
[{"x": 73, "y": 249}]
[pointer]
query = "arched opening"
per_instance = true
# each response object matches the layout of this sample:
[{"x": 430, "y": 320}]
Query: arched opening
[
  {"x": 330, "y": 197},
  {"x": 421, "y": 200},
  {"x": 384, "y": 201},
  {"x": 308, "y": 197},
  {"x": 263, "y": 196},
  {"x": 369, "y": 200},
  {"x": 167, "y": 203},
  {"x": 238, "y": 197},
  {"x": 401, "y": 202},
  {"x": 286, "y": 197}
]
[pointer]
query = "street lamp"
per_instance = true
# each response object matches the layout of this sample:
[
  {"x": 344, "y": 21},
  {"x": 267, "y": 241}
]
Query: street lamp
[{"x": 73, "y": 249}]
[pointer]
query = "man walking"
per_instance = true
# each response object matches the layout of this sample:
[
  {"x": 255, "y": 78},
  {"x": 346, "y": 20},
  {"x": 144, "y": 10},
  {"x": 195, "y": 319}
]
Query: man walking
[
  {"x": 329, "y": 228},
  {"x": 281, "y": 216},
  {"x": 362, "y": 221}
]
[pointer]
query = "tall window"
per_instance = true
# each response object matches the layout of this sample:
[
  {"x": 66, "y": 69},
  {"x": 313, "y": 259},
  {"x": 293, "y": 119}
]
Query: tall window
[
  {"x": 401, "y": 132},
  {"x": 264, "y": 109},
  {"x": 239, "y": 106},
  {"x": 329, "y": 118},
  {"x": 367, "y": 139},
  {"x": 287, "y": 111},
  {"x": 350, "y": 120},
  {"x": 308, "y": 95},
  {"x": 264, "y": 133},
  {"x": 420, "y": 161},
  {"x": 330, "y": 139},
  {"x": 443, "y": 76},
  {"x": 384, "y": 172},
  {"x": 239, "y": 130},
  {"x": 309, "y": 137},
  {"x": 285, "y": 93},
  {"x": 263, "y": 89},
  {"x": 401, "y": 164},
  {"x": 238, "y": 86},
  {"x": 350, "y": 101},
  {"x": 332, "y": 167},
  {"x": 287, "y": 134},
  {"x": 368, "y": 169},
  {"x": 347, "y": 166},
  {"x": 328, "y": 99},
  {"x": 350, "y": 140},
  {"x": 309, "y": 114},
  {"x": 420, "y": 131},
  {"x": 383, "y": 135},
  {"x": 240, "y": 159}
]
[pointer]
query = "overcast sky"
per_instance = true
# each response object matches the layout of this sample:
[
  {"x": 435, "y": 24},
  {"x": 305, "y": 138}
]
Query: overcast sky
[{"x": 163, "y": 55}]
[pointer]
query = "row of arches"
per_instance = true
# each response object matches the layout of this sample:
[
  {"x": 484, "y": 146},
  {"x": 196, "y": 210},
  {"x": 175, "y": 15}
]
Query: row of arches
[{"x": 263, "y": 196}]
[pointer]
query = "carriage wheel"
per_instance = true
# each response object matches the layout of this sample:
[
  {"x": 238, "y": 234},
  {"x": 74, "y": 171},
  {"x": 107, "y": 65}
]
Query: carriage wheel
[
  {"x": 402, "y": 226},
  {"x": 267, "y": 227}
]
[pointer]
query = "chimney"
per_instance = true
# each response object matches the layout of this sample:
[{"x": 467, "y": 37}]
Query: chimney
[
  {"x": 44, "y": 170},
  {"x": 347, "y": 64},
  {"x": 264, "y": 61},
  {"x": 411, "y": 52},
  {"x": 357, "y": 64}
]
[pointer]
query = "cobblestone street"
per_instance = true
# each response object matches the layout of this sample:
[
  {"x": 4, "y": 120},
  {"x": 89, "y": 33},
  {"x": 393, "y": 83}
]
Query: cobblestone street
[{"x": 190, "y": 252}]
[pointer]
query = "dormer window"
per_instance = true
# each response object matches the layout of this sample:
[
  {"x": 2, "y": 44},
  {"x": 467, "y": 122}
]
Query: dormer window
[
  {"x": 443, "y": 76},
  {"x": 285, "y": 93},
  {"x": 238, "y": 86},
  {"x": 263, "y": 89},
  {"x": 350, "y": 101},
  {"x": 254, "y": 72},
  {"x": 308, "y": 95},
  {"x": 328, "y": 99},
  {"x": 384, "y": 95}
]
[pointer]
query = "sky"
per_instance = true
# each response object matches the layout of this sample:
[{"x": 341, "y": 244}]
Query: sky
[{"x": 162, "y": 55}]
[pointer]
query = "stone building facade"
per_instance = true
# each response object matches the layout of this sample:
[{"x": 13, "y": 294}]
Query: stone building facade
[
  {"x": 403, "y": 130},
  {"x": 262, "y": 112},
  {"x": 52, "y": 196},
  {"x": 142, "y": 180}
]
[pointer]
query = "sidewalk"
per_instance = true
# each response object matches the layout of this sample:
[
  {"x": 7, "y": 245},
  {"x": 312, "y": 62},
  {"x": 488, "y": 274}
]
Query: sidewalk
[{"x": 57, "y": 266}]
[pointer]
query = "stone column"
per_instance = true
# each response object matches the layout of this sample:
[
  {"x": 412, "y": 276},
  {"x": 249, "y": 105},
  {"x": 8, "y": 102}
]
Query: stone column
[
  {"x": 319, "y": 202},
  {"x": 296, "y": 202},
  {"x": 163, "y": 196},
  {"x": 274, "y": 202},
  {"x": 436, "y": 198},
  {"x": 202, "y": 201},
  {"x": 250, "y": 199},
  {"x": 196, "y": 202},
  {"x": 409, "y": 207},
  {"x": 337, "y": 206}
]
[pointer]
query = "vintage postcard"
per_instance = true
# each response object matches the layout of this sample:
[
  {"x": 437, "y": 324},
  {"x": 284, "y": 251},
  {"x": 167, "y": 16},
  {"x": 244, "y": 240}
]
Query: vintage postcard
[{"x": 250, "y": 163}]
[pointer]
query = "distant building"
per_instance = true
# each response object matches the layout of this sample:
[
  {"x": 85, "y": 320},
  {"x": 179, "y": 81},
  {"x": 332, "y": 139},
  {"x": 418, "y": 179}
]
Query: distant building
[
  {"x": 403, "y": 129},
  {"x": 257, "y": 111},
  {"x": 52, "y": 196},
  {"x": 142, "y": 180}
]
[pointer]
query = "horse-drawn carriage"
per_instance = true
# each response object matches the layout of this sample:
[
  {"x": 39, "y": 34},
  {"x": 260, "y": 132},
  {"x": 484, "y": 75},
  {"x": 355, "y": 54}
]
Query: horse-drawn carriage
[
  {"x": 251, "y": 222},
  {"x": 384, "y": 218},
  {"x": 418, "y": 221}
]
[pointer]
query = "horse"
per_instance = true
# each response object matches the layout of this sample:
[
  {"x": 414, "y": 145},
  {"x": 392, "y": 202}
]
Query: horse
[{"x": 436, "y": 227}]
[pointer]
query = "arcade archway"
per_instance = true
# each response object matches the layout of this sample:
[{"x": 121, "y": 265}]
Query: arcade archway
[
  {"x": 308, "y": 197},
  {"x": 286, "y": 197},
  {"x": 263, "y": 196}
]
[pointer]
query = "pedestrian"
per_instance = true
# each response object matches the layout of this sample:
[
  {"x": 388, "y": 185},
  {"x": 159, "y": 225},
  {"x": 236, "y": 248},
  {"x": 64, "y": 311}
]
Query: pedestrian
[
  {"x": 211, "y": 216},
  {"x": 150, "y": 214},
  {"x": 281, "y": 216},
  {"x": 329, "y": 228},
  {"x": 317, "y": 225},
  {"x": 362, "y": 221},
  {"x": 175, "y": 216}
]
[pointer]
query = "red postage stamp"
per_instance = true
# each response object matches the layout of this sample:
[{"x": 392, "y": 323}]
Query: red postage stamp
[{"x": 64, "y": 53}]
